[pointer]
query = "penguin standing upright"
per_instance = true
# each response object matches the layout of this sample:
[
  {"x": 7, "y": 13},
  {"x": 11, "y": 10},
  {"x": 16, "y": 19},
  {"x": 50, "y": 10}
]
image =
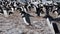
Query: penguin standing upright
[
  {"x": 15, "y": 5},
  {"x": 26, "y": 17},
  {"x": 26, "y": 7},
  {"x": 5, "y": 13},
  {"x": 12, "y": 9},
  {"x": 38, "y": 10},
  {"x": 52, "y": 25},
  {"x": 29, "y": 7},
  {"x": 5, "y": 10},
  {"x": 9, "y": 10}
]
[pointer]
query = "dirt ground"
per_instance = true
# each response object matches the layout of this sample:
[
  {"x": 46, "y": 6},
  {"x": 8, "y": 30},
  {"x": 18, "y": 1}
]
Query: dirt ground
[{"x": 14, "y": 24}]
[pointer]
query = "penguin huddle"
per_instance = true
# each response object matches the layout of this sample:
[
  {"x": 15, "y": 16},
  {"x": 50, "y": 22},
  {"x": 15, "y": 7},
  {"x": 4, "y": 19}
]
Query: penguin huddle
[
  {"x": 49, "y": 18},
  {"x": 8, "y": 8},
  {"x": 26, "y": 17}
]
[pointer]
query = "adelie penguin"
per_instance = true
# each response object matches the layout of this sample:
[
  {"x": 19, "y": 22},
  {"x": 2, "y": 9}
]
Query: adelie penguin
[
  {"x": 38, "y": 10},
  {"x": 5, "y": 13},
  {"x": 10, "y": 8},
  {"x": 50, "y": 25},
  {"x": 53, "y": 26},
  {"x": 29, "y": 7},
  {"x": 26, "y": 18}
]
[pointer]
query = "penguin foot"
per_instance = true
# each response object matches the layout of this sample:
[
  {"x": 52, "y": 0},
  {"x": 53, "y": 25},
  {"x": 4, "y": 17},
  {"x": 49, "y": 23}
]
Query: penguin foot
[{"x": 29, "y": 25}]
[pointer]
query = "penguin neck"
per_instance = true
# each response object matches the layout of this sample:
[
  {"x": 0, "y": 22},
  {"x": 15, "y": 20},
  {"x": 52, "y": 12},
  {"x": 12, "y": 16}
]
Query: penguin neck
[{"x": 24, "y": 9}]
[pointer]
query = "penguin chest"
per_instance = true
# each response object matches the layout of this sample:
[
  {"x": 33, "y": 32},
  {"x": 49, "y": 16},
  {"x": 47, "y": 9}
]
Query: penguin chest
[
  {"x": 56, "y": 12},
  {"x": 5, "y": 13},
  {"x": 12, "y": 9},
  {"x": 25, "y": 20}
]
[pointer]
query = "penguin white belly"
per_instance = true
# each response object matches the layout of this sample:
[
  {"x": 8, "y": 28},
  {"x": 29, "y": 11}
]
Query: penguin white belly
[
  {"x": 50, "y": 26},
  {"x": 15, "y": 5},
  {"x": 5, "y": 13},
  {"x": 44, "y": 9},
  {"x": 25, "y": 20},
  {"x": 12, "y": 10},
  {"x": 28, "y": 8},
  {"x": 15, "y": 8},
  {"x": 35, "y": 9},
  {"x": 56, "y": 8},
  {"x": 21, "y": 8},
  {"x": 25, "y": 10},
  {"x": 56, "y": 14}
]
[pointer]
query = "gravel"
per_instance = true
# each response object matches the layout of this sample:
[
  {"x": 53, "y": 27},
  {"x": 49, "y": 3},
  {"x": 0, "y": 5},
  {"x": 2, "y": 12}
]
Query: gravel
[{"x": 14, "y": 24}]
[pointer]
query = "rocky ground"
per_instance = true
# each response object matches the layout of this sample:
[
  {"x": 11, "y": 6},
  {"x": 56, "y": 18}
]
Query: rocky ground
[{"x": 14, "y": 24}]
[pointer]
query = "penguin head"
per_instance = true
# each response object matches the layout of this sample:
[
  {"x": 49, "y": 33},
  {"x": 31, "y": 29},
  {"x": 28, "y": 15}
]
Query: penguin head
[{"x": 23, "y": 12}]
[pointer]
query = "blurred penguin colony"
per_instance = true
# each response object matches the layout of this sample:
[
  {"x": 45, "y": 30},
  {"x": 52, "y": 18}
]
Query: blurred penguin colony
[{"x": 8, "y": 7}]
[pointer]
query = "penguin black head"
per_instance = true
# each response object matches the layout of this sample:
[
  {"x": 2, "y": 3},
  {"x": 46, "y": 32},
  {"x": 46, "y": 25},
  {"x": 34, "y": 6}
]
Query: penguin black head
[
  {"x": 22, "y": 12},
  {"x": 50, "y": 18}
]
